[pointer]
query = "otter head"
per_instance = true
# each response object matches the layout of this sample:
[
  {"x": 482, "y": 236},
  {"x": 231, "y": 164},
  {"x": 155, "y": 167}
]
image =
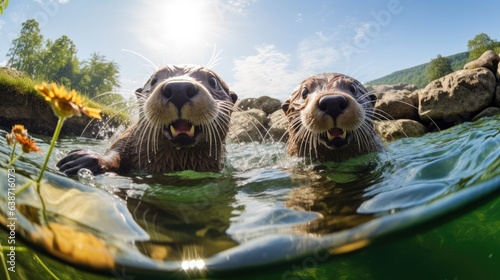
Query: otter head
[
  {"x": 330, "y": 118},
  {"x": 188, "y": 104}
]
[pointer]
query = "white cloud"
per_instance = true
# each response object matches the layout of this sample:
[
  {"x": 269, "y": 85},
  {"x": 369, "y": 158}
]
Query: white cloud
[
  {"x": 361, "y": 32},
  {"x": 58, "y": 1},
  {"x": 266, "y": 73},
  {"x": 317, "y": 53}
]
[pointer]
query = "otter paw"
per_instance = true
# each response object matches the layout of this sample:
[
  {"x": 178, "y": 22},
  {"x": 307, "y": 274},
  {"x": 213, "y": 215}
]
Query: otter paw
[{"x": 78, "y": 159}]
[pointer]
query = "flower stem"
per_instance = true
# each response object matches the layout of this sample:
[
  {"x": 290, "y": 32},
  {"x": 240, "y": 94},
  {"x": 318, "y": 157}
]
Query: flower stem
[
  {"x": 13, "y": 160},
  {"x": 45, "y": 267},
  {"x": 4, "y": 262},
  {"x": 13, "y": 153},
  {"x": 23, "y": 187},
  {"x": 52, "y": 144}
]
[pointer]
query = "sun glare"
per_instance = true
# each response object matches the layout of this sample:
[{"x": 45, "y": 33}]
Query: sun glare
[{"x": 186, "y": 23}]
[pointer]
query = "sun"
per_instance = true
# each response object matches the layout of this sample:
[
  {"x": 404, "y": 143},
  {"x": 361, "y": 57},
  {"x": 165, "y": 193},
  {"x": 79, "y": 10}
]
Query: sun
[{"x": 186, "y": 23}]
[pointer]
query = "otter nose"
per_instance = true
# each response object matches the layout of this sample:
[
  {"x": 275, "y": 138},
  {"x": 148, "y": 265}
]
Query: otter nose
[
  {"x": 332, "y": 105},
  {"x": 179, "y": 92}
]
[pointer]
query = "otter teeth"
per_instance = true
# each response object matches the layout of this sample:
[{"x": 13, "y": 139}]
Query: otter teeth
[
  {"x": 336, "y": 132},
  {"x": 176, "y": 133}
]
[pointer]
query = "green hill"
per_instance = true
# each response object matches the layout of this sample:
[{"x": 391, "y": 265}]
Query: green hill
[{"x": 417, "y": 75}]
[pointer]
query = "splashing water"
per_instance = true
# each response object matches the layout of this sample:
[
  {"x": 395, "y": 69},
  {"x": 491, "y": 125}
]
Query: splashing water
[{"x": 265, "y": 207}]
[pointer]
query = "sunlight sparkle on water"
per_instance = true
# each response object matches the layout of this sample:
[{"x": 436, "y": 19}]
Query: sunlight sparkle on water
[{"x": 193, "y": 264}]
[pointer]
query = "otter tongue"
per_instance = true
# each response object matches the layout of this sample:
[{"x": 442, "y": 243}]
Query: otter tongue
[
  {"x": 182, "y": 127},
  {"x": 336, "y": 133}
]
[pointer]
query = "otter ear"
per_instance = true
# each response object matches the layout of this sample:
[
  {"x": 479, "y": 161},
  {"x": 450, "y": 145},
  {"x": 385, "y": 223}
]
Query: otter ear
[
  {"x": 233, "y": 96},
  {"x": 285, "y": 105}
]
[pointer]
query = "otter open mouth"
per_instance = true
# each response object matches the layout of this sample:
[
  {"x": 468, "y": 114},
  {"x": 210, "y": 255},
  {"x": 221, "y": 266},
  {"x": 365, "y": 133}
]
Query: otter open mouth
[
  {"x": 335, "y": 138},
  {"x": 181, "y": 132}
]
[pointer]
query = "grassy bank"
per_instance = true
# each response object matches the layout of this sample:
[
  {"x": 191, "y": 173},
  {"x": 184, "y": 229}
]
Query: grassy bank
[{"x": 14, "y": 82}]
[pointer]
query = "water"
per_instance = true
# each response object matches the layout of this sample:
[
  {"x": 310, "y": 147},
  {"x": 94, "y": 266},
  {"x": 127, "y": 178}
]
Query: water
[{"x": 266, "y": 209}]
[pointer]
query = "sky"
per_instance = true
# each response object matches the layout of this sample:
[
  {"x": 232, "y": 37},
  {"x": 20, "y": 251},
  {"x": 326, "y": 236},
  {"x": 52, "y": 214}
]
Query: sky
[{"x": 259, "y": 47}]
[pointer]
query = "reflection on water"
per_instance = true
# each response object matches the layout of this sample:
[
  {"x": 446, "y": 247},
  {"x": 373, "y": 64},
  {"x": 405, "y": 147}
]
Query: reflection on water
[{"x": 264, "y": 207}]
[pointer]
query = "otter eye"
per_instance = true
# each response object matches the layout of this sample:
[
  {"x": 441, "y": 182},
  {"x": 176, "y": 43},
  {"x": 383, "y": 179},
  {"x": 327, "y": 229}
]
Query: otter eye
[
  {"x": 153, "y": 81},
  {"x": 352, "y": 89},
  {"x": 212, "y": 81},
  {"x": 304, "y": 93}
]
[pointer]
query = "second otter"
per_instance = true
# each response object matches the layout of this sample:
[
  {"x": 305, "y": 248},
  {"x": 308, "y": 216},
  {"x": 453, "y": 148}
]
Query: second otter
[
  {"x": 184, "y": 114},
  {"x": 330, "y": 119}
]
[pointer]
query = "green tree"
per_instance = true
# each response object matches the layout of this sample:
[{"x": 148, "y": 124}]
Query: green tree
[
  {"x": 438, "y": 67},
  {"x": 98, "y": 75},
  {"x": 59, "y": 61},
  {"x": 3, "y": 5},
  {"x": 481, "y": 43},
  {"x": 24, "y": 51}
]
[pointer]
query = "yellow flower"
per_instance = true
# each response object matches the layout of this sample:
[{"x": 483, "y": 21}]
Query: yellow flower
[
  {"x": 19, "y": 129},
  {"x": 66, "y": 104}
]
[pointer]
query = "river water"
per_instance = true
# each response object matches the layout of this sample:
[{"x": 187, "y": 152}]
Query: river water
[{"x": 264, "y": 209}]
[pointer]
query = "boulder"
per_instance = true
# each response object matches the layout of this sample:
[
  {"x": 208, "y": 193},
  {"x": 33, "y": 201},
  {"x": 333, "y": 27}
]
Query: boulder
[
  {"x": 277, "y": 126},
  {"x": 393, "y": 130},
  {"x": 264, "y": 103},
  {"x": 399, "y": 104},
  {"x": 459, "y": 94},
  {"x": 497, "y": 74},
  {"x": 380, "y": 90},
  {"x": 247, "y": 126},
  {"x": 490, "y": 111},
  {"x": 489, "y": 60},
  {"x": 497, "y": 96}
]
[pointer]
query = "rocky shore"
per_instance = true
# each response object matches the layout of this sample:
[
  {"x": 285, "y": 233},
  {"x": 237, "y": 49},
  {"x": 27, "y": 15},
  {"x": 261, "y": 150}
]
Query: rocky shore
[{"x": 402, "y": 110}]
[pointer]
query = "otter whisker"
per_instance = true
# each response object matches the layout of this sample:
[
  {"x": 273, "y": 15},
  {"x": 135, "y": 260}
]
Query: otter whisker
[{"x": 143, "y": 57}]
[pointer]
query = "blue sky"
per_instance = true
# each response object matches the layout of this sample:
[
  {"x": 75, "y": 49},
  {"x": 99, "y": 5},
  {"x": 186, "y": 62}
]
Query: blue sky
[{"x": 264, "y": 47}]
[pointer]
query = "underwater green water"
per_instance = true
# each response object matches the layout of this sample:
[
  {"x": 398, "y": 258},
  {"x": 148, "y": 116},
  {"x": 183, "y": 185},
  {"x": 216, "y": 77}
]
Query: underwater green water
[{"x": 427, "y": 208}]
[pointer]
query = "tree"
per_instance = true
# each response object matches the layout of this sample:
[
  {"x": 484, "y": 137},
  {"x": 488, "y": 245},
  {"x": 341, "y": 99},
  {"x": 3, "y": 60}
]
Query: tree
[
  {"x": 56, "y": 61},
  {"x": 3, "y": 5},
  {"x": 24, "y": 51},
  {"x": 98, "y": 75},
  {"x": 481, "y": 43},
  {"x": 59, "y": 61},
  {"x": 438, "y": 67}
]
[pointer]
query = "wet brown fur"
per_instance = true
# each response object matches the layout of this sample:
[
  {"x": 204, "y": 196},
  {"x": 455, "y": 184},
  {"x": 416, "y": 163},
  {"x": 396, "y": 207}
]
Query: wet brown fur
[
  {"x": 307, "y": 122},
  {"x": 144, "y": 146}
]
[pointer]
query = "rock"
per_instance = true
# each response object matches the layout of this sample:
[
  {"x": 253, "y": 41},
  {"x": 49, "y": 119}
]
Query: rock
[
  {"x": 490, "y": 111},
  {"x": 497, "y": 96},
  {"x": 277, "y": 126},
  {"x": 400, "y": 104},
  {"x": 489, "y": 60},
  {"x": 264, "y": 103},
  {"x": 459, "y": 94},
  {"x": 497, "y": 74},
  {"x": 393, "y": 130},
  {"x": 247, "y": 126},
  {"x": 380, "y": 90}
]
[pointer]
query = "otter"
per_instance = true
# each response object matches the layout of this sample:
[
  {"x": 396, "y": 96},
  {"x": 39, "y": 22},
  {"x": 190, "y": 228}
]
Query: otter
[
  {"x": 184, "y": 114},
  {"x": 330, "y": 119}
]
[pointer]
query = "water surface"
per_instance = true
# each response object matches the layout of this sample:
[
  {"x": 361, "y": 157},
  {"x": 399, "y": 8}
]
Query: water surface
[{"x": 264, "y": 208}]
